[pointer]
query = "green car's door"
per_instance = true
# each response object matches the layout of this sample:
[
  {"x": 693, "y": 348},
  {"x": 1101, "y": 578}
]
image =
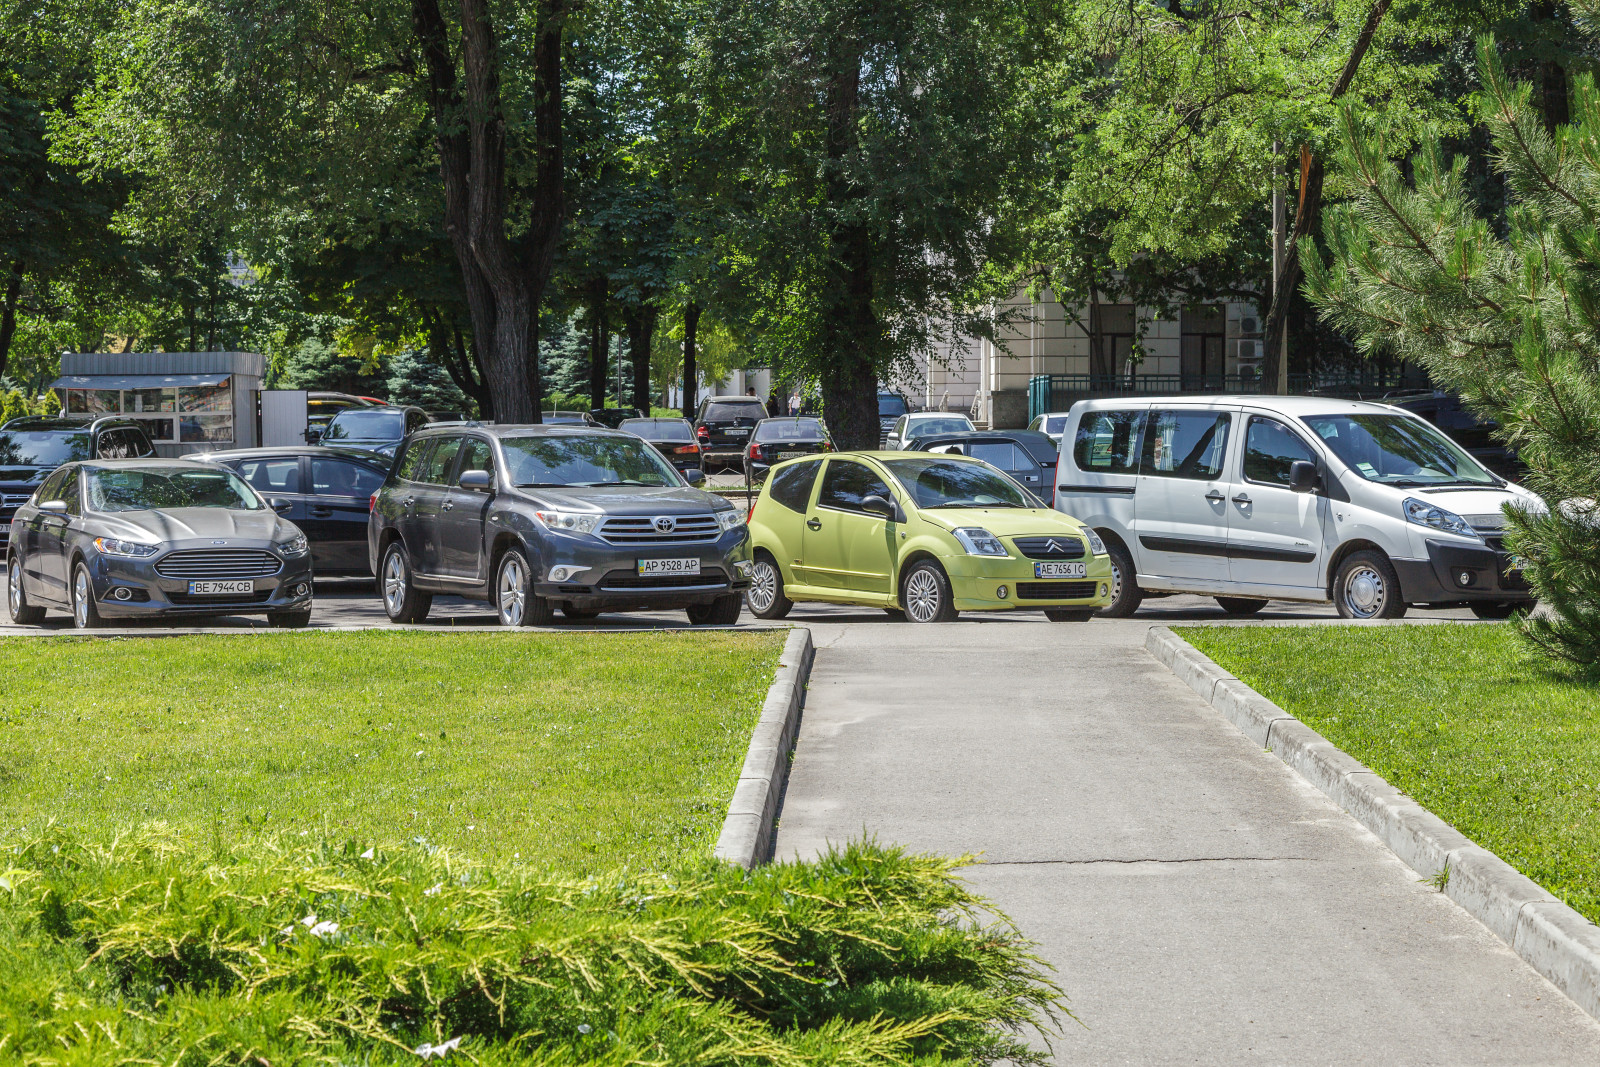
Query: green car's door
[
  {"x": 789, "y": 486},
  {"x": 847, "y": 550}
]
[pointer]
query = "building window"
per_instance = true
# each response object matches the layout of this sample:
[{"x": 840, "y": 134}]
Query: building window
[
  {"x": 187, "y": 414},
  {"x": 1204, "y": 334}
]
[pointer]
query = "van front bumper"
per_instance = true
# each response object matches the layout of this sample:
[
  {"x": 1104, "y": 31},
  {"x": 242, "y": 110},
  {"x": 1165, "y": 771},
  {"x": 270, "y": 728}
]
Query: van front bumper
[
  {"x": 1461, "y": 574},
  {"x": 978, "y": 581}
]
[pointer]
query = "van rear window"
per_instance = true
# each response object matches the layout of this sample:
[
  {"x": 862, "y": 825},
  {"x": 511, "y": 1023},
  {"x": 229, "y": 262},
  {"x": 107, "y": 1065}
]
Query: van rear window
[{"x": 1108, "y": 442}]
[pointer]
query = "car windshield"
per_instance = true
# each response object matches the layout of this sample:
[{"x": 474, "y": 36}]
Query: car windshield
[
  {"x": 891, "y": 407},
  {"x": 791, "y": 430},
  {"x": 19, "y": 448},
  {"x": 366, "y": 425},
  {"x": 728, "y": 411},
  {"x": 1398, "y": 450},
  {"x": 939, "y": 482},
  {"x": 162, "y": 488},
  {"x": 659, "y": 430},
  {"x": 1054, "y": 424},
  {"x": 549, "y": 462},
  {"x": 929, "y": 427}
]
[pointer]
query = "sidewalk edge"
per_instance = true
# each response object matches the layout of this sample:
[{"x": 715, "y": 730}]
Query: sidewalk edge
[{"x": 1551, "y": 937}]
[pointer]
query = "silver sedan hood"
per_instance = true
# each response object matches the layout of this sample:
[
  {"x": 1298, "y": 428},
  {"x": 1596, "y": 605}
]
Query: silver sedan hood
[{"x": 197, "y": 524}]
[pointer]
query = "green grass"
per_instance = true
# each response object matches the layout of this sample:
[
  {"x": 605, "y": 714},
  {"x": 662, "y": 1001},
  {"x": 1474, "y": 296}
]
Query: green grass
[
  {"x": 583, "y": 752},
  {"x": 1487, "y": 736}
]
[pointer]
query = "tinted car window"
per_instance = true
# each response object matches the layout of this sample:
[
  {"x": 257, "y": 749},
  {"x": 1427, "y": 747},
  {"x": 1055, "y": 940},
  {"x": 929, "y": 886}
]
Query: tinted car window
[
  {"x": 359, "y": 424},
  {"x": 51, "y": 489},
  {"x": 20, "y": 448},
  {"x": 938, "y": 482},
  {"x": 1185, "y": 444},
  {"x": 653, "y": 430},
  {"x": 415, "y": 420},
  {"x": 272, "y": 475},
  {"x": 846, "y": 484},
  {"x": 69, "y": 491},
  {"x": 410, "y": 463},
  {"x": 1108, "y": 442},
  {"x": 791, "y": 485},
  {"x": 1269, "y": 448},
  {"x": 437, "y": 469},
  {"x": 728, "y": 410},
  {"x": 339, "y": 477},
  {"x": 1003, "y": 454},
  {"x": 478, "y": 456},
  {"x": 790, "y": 430}
]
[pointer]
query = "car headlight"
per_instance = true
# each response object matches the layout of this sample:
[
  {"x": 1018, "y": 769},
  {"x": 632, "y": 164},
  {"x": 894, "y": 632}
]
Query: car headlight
[
  {"x": 111, "y": 546},
  {"x": 731, "y": 519},
  {"x": 294, "y": 548},
  {"x": 1097, "y": 546},
  {"x": 979, "y": 542},
  {"x": 569, "y": 521},
  {"x": 1436, "y": 518}
]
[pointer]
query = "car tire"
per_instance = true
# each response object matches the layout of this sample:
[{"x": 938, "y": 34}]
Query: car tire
[
  {"x": 1495, "y": 611},
  {"x": 403, "y": 602},
  {"x": 289, "y": 620},
  {"x": 1068, "y": 615},
  {"x": 1126, "y": 596},
  {"x": 85, "y": 615},
  {"x": 723, "y": 611},
  {"x": 1367, "y": 587},
  {"x": 765, "y": 595},
  {"x": 22, "y": 613},
  {"x": 1238, "y": 605},
  {"x": 925, "y": 594},
  {"x": 515, "y": 602},
  {"x": 577, "y": 614}
]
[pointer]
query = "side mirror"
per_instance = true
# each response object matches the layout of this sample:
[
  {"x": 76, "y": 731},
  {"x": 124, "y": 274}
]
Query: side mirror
[
  {"x": 695, "y": 476},
  {"x": 475, "y": 480},
  {"x": 313, "y": 434},
  {"x": 54, "y": 507},
  {"x": 1302, "y": 476},
  {"x": 877, "y": 505}
]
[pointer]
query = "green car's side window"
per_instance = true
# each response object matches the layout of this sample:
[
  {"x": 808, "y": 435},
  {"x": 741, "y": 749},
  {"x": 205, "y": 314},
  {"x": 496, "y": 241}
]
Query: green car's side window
[{"x": 791, "y": 485}]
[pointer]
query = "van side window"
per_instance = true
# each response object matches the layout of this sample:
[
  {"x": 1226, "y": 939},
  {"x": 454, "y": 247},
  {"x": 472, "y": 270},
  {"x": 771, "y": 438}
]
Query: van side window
[
  {"x": 1185, "y": 444},
  {"x": 791, "y": 485},
  {"x": 1269, "y": 448},
  {"x": 1108, "y": 442}
]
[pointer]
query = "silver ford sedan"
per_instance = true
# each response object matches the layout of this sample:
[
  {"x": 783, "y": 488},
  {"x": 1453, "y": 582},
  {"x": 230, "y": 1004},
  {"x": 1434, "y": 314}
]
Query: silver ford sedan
[{"x": 106, "y": 539}]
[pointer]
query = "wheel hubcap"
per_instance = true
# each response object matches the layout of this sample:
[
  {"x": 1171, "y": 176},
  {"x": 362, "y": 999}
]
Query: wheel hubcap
[
  {"x": 513, "y": 600},
  {"x": 1364, "y": 592},
  {"x": 394, "y": 583},
  {"x": 763, "y": 586},
  {"x": 922, "y": 596},
  {"x": 1116, "y": 582},
  {"x": 80, "y": 598},
  {"x": 14, "y": 586}
]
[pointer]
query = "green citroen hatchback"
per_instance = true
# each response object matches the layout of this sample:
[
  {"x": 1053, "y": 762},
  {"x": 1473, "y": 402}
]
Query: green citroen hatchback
[{"x": 922, "y": 534}]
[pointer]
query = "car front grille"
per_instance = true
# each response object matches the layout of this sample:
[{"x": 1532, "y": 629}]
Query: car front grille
[
  {"x": 221, "y": 564},
  {"x": 628, "y": 580},
  {"x": 642, "y": 530},
  {"x": 1049, "y": 547},
  {"x": 1054, "y": 590}
]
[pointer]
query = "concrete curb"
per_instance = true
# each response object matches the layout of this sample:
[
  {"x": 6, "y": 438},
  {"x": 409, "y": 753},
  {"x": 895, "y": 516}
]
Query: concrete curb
[
  {"x": 1558, "y": 942},
  {"x": 746, "y": 837}
]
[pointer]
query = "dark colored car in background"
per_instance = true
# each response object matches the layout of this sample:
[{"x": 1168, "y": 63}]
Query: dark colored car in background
[
  {"x": 1027, "y": 455},
  {"x": 136, "y": 538},
  {"x": 31, "y": 448},
  {"x": 1476, "y": 435},
  {"x": 786, "y": 437},
  {"x": 532, "y": 518},
  {"x": 613, "y": 418},
  {"x": 321, "y": 407},
  {"x": 673, "y": 438},
  {"x": 890, "y": 407},
  {"x": 374, "y": 429},
  {"x": 723, "y": 425},
  {"x": 325, "y": 490}
]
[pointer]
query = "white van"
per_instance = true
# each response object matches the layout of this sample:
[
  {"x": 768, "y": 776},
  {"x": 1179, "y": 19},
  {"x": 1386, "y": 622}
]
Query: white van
[{"x": 1250, "y": 498}]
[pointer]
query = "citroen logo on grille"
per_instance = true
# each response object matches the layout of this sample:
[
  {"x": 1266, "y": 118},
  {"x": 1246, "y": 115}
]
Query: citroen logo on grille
[
  {"x": 665, "y": 524},
  {"x": 1052, "y": 545}
]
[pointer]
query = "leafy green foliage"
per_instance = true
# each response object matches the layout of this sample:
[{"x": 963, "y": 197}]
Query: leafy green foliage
[
  {"x": 152, "y": 948},
  {"x": 1508, "y": 321},
  {"x": 415, "y": 379}
]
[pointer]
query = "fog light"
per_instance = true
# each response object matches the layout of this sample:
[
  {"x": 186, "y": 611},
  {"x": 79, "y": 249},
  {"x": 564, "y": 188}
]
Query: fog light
[
  {"x": 743, "y": 567},
  {"x": 562, "y": 574},
  {"x": 1002, "y": 592},
  {"x": 1464, "y": 578},
  {"x": 122, "y": 592},
  {"x": 302, "y": 589},
  {"x": 1103, "y": 589}
]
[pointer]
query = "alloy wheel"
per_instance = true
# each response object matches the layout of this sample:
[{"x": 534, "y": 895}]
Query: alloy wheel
[
  {"x": 1364, "y": 592},
  {"x": 14, "y": 585},
  {"x": 763, "y": 586},
  {"x": 81, "y": 593},
  {"x": 394, "y": 583},
  {"x": 513, "y": 596},
  {"x": 922, "y": 595}
]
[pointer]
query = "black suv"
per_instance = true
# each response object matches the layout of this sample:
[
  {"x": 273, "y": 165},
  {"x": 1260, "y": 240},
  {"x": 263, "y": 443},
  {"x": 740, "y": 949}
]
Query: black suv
[
  {"x": 373, "y": 429},
  {"x": 722, "y": 426},
  {"x": 531, "y": 518},
  {"x": 30, "y": 448}
]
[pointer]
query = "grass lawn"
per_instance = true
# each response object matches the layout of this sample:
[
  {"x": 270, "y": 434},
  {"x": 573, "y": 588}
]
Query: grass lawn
[
  {"x": 1491, "y": 738},
  {"x": 578, "y": 751}
]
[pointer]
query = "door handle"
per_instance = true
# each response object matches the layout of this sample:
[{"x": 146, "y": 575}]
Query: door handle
[
  {"x": 447, "y": 505},
  {"x": 321, "y": 512},
  {"x": 813, "y": 524},
  {"x": 1242, "y": 498},
  {"x": 1214, "y": 496}
]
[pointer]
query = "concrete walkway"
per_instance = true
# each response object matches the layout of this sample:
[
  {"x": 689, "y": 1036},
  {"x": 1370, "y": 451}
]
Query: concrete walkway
[{"x": 1201, "y": 903}]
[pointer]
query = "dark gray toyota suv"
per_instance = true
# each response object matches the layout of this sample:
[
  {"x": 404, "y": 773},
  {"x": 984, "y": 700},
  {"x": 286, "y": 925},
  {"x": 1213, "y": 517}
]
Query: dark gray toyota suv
[{"x": 532, "y": 518}]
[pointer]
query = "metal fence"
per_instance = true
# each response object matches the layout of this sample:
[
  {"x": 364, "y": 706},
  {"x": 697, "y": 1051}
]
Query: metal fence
[{"x": 1057, "y": 392}]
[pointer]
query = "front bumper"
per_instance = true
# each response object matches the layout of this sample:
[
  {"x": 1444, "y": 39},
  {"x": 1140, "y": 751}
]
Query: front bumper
[
  {"x": 151, "y": 594},
  {"x": 1438, "y": 580},
  {"x": 610, "y": 579},
  {"x": 978, "y": 580}
]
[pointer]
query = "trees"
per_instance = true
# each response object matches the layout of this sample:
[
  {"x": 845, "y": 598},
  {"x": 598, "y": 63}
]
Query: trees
[{"x": 1511, "y": 322}]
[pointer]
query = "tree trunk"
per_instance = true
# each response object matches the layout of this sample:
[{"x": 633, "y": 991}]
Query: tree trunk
[
  {"x": 599, "y": 345},
  {"x": 641, "y": 326},
  {"x": 1309, "y": 211},
  {"x": 8, "y": 315},
  {"x": 1553, "y": 100},
  {"x": 691, "y": 374}
]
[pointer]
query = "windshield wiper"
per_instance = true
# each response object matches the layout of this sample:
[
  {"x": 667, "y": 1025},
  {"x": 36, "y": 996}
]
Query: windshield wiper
[
  {"x": 543, "y": 485},
  {"x": 624, "y": 481}
]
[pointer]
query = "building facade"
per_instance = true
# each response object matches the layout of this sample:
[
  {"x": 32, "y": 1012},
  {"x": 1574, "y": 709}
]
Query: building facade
[{"x": 185, "y": 401}]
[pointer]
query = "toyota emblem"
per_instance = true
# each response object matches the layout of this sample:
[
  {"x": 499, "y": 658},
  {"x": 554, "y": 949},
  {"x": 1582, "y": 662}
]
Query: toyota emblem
[{"x": 665, "y": 524}]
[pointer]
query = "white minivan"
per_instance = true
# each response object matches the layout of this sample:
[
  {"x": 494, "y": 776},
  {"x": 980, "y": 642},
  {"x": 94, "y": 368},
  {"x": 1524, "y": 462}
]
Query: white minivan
[{"x": 1251, "y": 498}]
